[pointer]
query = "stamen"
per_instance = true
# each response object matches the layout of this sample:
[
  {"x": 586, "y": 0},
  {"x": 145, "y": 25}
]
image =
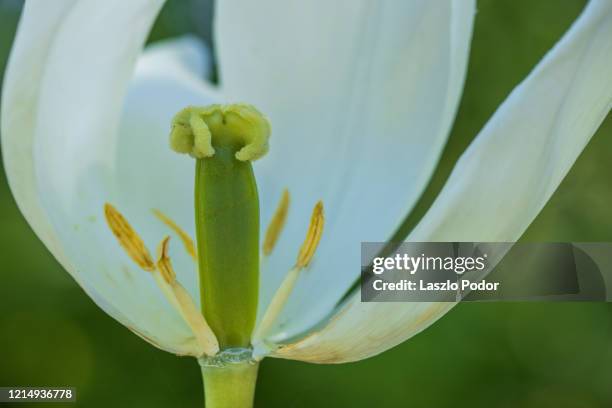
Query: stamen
[
  {"x": 276, "y": 304},
  {"x": 313, "y": 236},
  {"x": 178, "y": 296},
  {"x": 185, "y": 238},
  {"x": 165, "y": 277},
  {"x": 276, "y": 224},
  {"x": 128, "y": 238}
]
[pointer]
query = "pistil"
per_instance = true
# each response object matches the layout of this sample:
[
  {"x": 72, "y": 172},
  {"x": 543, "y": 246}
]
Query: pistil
[{"x": 224, "y": 140}]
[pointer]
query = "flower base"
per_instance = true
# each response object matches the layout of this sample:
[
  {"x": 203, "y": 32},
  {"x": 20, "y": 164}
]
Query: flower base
[{"x": 229, "y": 379}]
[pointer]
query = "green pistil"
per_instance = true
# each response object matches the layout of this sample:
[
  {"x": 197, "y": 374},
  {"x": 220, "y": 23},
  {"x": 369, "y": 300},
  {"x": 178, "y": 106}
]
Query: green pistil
[{"x": 224, "y": 140}]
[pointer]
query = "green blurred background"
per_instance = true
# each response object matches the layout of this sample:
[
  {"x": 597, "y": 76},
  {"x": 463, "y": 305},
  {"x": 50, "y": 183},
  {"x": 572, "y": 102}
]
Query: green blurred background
[{"x": 479, "y": 355}]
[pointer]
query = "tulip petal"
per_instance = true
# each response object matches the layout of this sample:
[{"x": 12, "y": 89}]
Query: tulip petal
[
  {"x": 361, "y": 96},
  {"x": 177, "y": 56},
  {"x": 67, "y": 152},
  {"x": 499, "y": 185},
  {"x": 37, "y": 27}
]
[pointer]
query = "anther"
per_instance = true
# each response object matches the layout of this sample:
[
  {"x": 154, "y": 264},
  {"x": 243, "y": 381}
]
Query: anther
[
  {"x": 313, "y": 236},
  {"x": 128, "y": 238},
  {"x": 184, "y": 237},
  {"x": 276, "y": 224},
  {"x": 163, "y": 262}
]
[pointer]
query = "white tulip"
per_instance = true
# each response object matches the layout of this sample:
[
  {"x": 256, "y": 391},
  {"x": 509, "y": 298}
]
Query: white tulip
[{"x": 361, "y": 96}]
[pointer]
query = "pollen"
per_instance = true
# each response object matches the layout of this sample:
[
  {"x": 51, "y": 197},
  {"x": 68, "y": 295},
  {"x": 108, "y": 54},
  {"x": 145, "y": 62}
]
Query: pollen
[
  {"x": 184, "y": 237},
  {"x": 128, "y": 238},
  {"x": 276, "y": 224},
  {"x": 313, "y": 236}
]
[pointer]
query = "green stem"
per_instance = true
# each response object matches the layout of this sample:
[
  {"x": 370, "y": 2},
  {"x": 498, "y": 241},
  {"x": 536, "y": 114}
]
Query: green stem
[{"x": 231, "y": 385}]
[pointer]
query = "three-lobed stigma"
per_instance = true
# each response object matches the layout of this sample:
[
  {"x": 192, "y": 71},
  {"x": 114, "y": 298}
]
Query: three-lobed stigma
[{"x": 198, "y": 131}]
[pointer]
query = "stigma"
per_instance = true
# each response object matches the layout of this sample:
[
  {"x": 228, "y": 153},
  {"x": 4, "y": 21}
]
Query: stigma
[{"x": 198, "y": 131}]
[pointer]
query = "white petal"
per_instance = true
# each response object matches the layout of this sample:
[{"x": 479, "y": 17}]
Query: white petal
[
  {"x": 499, "y": 185},
  {"x": 361, "y": 96},
  {"x": 65, "y": 88},
  {"x": 38, "y": 25},
  {"x": 178, "y": 56}
]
